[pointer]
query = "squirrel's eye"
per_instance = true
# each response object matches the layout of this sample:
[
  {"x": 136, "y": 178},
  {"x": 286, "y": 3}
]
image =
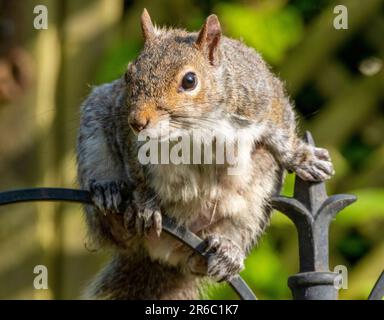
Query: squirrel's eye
[{"x": 189, "y": 81}]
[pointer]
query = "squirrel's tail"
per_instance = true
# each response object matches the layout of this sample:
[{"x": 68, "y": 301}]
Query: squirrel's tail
[{"x": 137, "y": 277}]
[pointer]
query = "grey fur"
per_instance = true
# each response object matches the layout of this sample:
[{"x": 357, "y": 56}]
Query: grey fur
[{"x": 237, "y": 90}]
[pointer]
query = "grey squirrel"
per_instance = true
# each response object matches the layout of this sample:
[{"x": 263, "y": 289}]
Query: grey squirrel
[{"x": 185, "y": 80}]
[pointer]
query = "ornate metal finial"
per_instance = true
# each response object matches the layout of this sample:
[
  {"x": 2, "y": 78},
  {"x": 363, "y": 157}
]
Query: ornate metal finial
[{"x": 311, "y": 210}]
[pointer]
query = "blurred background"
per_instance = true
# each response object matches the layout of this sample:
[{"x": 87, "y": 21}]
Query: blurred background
[{"x": 334, "y": 76}]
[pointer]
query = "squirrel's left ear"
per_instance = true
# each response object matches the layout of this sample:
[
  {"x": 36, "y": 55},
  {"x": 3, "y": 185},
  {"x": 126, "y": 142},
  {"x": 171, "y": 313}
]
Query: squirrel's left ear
[
  {"x": 209, "y": 38},
  {"x": 147, "y": 26}
]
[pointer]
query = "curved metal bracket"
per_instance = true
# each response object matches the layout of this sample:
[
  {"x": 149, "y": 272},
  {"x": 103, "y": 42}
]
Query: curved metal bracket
[
  {"x": 377, "y": 292},
  {"x": 82, "y": 196}
]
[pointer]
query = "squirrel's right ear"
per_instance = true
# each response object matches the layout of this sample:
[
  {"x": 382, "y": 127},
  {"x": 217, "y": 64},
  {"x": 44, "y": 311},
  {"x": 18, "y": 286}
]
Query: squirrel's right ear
[
  {"x": 209, "y": 38},
  {"x": 147, "y": 26}
]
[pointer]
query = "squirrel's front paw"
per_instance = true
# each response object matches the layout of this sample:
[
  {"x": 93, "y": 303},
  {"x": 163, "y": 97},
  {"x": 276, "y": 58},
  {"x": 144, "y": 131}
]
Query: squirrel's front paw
[
  {"x": 225, "y": 259},
  {"x": 109, "y": 196},
  {"x": 315, "y": 165},
  {"x": 145, "y": 217}
]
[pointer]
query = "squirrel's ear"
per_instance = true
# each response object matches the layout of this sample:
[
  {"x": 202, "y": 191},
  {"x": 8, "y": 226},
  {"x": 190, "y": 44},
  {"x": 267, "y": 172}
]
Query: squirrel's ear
[
  {"x": 209, "y": 37},
  {"x": 147, "y": 26}
]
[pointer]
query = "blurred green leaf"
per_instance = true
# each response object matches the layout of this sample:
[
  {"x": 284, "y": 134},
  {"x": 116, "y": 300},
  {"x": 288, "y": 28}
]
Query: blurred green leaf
[
  {"x": 116, "y": 59},
  {"x": 270, "y": 29},
  {"x": 369, "y": 206}
]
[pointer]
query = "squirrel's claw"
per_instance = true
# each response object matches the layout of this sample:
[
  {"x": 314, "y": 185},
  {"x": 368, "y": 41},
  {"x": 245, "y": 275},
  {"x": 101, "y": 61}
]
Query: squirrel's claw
[
  {"x": 225, "y": 259},
  {"x": 108, "y": 196},
  {"x": 317, "y": 165},
  {"x": 147, "y": 218}
]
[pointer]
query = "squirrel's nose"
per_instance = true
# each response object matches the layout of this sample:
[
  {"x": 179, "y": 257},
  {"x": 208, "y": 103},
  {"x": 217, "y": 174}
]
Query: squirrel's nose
[{"x": 138, "y": 124}]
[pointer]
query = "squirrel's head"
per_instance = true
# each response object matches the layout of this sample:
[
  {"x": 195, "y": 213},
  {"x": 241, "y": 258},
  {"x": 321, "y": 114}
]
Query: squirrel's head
[{"x": 175, "y": 78}]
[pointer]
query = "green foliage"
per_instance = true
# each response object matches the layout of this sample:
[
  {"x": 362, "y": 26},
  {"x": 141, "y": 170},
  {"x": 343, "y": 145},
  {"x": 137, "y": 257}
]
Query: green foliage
[
  {"x": 265, "y": 272},
  {"x": 368, "y": 208},
  {"x": 116, "y": 59},
  {"x": 271, "y": 28}
]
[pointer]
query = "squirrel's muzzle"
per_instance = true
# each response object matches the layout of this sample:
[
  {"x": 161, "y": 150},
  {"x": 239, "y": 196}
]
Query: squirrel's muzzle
[
  {"x": 142, "y": 117},
  {"x": 138, "y": 124}
]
